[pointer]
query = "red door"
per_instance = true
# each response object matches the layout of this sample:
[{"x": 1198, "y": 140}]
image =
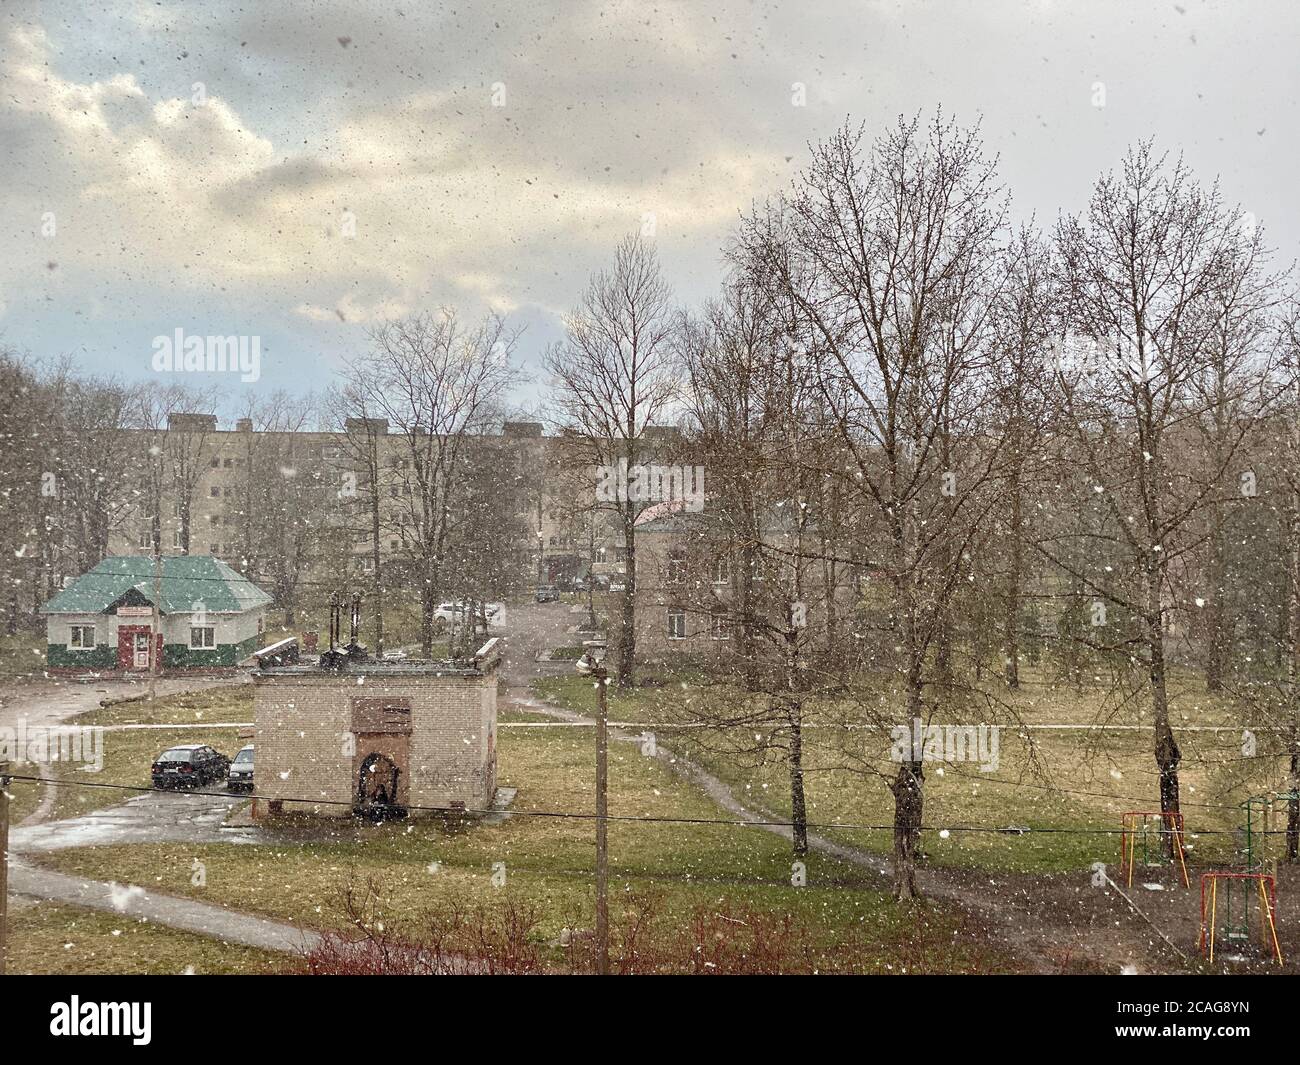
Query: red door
[{"x": 133, "y": 647}]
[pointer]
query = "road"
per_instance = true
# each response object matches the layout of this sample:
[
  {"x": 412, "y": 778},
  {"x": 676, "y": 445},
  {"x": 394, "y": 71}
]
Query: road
[{"x": 51, "y": 702}]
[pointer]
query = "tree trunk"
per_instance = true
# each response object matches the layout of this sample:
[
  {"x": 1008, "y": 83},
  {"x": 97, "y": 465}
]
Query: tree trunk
[
  {"x": 1293, "y": 802},
  {"x": 627, "y": 615},
  {"x": 908, "y": 806},
  {"x": 798, "y": 803},
  {"x": 376, "y": 560},
  {"x": 428, "y": 605},
  {"x": 1011, "y": 622},
  {"x": 1216, "y": 621},
  {"x": 1167, "y": 753},
  {"x": 748, "y": 659}
]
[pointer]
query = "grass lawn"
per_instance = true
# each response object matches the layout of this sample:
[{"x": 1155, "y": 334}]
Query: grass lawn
[
  {"x": 1079, "y": 782},
  {"x": 47, "y": 939},
  {"x": 234, "y": 703},
  {"x": 24, "y": 798},
  {"x": 300, "y": 872}
]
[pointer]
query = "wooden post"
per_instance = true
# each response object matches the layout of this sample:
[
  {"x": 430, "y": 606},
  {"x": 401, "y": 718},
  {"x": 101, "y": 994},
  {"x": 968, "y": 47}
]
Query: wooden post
[
  {"x": 602, "y": 826},
  {"x": 4, "y": 863}
]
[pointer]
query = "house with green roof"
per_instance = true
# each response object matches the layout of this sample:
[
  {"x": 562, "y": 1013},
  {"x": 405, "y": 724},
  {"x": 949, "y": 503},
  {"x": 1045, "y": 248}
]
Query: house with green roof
[{"x": 211, "y": 617}]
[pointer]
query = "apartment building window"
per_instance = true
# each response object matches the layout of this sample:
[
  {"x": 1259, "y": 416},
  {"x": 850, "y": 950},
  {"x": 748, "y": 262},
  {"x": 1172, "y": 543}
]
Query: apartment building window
[
  {"x": 146, "y": 539},
  {"x": 676, "y": 573},
  {"x": 216, "y": 463},
  {"x": 677, "y": 624},
  {"x": 176, "y": 539},
  {"x": 720, "y": 626},
  {"x": 722, "y": 570},
  {"x": 214, "y": 491},
  {"x": 214, "y": 549},
  {"x": 600, "y": 553},
  {"x": 81, "y": 637},
  {"x": 203, "y": 637}
]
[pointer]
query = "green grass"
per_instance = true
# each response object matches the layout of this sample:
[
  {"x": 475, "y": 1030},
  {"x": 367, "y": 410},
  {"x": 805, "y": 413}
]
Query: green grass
[
  {"x": 227, "y": 704},
  {"x": 47, "y": 939},
  {"x": 1079, "y": 785},
  {"x": 24, "y": 798},
  {"x": 300, "y": 873}
]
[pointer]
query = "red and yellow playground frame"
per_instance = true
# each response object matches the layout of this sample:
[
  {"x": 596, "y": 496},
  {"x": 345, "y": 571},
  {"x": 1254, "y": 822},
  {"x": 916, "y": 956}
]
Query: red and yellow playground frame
[
  {"x": 1268, "y": 907},
  {"x": 1132, "y": 825}
]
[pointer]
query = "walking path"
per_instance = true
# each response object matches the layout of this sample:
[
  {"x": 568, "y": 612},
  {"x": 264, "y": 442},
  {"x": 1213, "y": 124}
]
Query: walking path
[{"x": 216, "y": 922}]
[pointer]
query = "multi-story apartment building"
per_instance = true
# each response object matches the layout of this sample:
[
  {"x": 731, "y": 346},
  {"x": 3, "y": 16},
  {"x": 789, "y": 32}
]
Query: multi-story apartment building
[{"x": 331, "y": 501}]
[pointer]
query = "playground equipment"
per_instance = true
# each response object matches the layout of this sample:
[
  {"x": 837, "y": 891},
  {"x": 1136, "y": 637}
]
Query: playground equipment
[
  {"x": 1234, "y": 907},
  {"x": 1259, "y": 827},
  {"x": 1149, "y": 837}
]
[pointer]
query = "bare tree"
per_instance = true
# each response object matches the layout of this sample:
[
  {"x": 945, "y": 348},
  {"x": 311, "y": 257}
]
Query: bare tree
[
  {"x": 438, "y": 383},
  {"x": 283, "y": 526},
  {"x": 1146, "y": 268},
  {"x": 615, "y": 375},
  {"x": 886, "y": 262},
  {"x": 173, "y": 457}
]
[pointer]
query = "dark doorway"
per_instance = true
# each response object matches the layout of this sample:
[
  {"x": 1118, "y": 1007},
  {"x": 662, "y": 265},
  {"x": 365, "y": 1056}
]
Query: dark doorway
[{"x": 376, "y": 795}]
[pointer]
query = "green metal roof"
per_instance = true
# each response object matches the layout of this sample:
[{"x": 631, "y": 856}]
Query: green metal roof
[{"x": 186, "y": 580}]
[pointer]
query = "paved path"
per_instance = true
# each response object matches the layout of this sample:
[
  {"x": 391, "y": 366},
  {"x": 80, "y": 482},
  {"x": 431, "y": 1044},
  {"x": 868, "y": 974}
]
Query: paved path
[
  {"x": 50, "y": 702},
  {"x": 229, "y": 926},
  {"x": 155, "y": 817},
  {"x": 152, "y": 817}
]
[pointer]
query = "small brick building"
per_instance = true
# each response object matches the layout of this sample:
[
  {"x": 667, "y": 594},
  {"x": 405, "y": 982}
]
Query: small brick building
[{"x": 364, "y": 733}]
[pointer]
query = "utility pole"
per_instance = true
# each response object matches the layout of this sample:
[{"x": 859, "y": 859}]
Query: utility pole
[
  {"x": 602, "y": 823},
  {"x": 155, "y": 631},
  {"x": 4, "y": 863},
  {"x": 592, "y": 664}
]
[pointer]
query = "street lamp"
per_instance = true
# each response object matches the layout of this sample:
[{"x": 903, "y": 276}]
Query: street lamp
[{"x": 592, "y": 664}]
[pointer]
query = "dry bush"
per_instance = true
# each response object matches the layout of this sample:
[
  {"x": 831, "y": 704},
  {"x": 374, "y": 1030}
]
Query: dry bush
[{"x": 453, "y": 938}]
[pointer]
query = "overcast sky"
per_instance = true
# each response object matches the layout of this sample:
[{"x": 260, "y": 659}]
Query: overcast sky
[{"x": 202, "y": 160}]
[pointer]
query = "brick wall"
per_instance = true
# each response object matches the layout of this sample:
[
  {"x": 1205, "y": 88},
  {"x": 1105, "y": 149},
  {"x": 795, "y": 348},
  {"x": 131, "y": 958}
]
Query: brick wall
[{"x": 307, "y": 747}]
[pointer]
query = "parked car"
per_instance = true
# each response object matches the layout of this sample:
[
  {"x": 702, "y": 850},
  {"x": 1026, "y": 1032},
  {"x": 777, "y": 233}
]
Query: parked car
[
  {"x": 458, "y": 610},
  {"x": 191, "y": 765},
  {"x": 241, "y": 770},
  {"x": 547, "y": 593}
]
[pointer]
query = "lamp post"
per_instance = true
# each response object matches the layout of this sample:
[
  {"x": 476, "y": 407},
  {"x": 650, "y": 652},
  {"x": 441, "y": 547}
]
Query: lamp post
[
  {"x": 541, "y": 546},
  {"x": 592, "y": 664}
]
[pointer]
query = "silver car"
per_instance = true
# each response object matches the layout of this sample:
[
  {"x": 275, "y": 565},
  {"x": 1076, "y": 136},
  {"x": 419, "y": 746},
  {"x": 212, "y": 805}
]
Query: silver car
[{"x": 241, "y": 770}]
